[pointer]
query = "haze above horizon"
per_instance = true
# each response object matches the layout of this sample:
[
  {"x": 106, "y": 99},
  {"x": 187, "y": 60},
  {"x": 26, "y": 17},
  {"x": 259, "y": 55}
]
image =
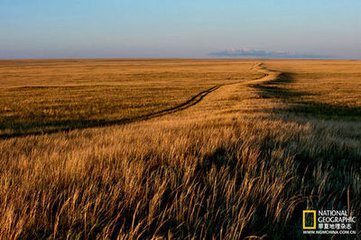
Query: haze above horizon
[{"x": 180, "y": 29}]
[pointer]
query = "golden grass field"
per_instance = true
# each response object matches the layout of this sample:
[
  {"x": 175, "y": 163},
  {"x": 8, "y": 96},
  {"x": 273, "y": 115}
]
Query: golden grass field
[{"x": 176, "y": 149}]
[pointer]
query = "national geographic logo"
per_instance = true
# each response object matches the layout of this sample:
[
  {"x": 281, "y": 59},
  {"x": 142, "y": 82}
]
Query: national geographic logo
[
  {"x": 309, "y": 219},
  {"x": 328, "y": 222}
]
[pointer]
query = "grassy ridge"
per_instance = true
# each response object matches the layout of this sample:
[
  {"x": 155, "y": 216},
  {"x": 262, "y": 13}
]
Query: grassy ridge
[{"x": 230, "y": 167}]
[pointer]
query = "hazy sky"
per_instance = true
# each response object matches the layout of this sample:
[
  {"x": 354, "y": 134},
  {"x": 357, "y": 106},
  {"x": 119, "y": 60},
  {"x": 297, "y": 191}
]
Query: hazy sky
[{"x": 184, "y": 28}]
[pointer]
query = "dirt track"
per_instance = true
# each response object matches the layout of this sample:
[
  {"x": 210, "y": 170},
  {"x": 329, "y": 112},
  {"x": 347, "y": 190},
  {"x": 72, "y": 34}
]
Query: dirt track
[{"x": 268, "y": 76}]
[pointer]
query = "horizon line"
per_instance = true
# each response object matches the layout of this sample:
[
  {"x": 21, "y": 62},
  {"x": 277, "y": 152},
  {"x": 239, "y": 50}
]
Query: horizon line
[{"x": 171, "y": 58}]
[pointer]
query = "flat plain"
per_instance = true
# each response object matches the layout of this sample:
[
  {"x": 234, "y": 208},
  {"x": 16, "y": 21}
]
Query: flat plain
[{"x": 176, "y": 149}]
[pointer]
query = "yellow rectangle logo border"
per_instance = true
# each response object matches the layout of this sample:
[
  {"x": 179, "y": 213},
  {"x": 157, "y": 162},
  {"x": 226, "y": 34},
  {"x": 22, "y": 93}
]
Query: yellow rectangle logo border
[{"x": 313, "y": 227}]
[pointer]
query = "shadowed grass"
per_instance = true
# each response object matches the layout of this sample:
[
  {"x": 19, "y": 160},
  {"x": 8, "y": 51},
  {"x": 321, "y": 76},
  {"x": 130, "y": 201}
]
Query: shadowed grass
[{"x": 277, "y": 89}]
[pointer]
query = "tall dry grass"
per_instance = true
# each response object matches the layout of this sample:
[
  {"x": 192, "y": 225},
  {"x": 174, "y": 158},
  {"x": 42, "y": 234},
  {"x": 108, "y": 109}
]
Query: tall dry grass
[{"x": 233, "y": 166}]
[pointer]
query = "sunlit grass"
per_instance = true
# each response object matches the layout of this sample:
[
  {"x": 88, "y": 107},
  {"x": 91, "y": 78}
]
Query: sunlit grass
[
  {"x": 39, "y": 96},
  {"x": 241, "y": 162}
]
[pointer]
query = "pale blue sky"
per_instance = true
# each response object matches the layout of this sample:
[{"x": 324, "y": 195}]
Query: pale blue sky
[{"x": 184, "y": 28}]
